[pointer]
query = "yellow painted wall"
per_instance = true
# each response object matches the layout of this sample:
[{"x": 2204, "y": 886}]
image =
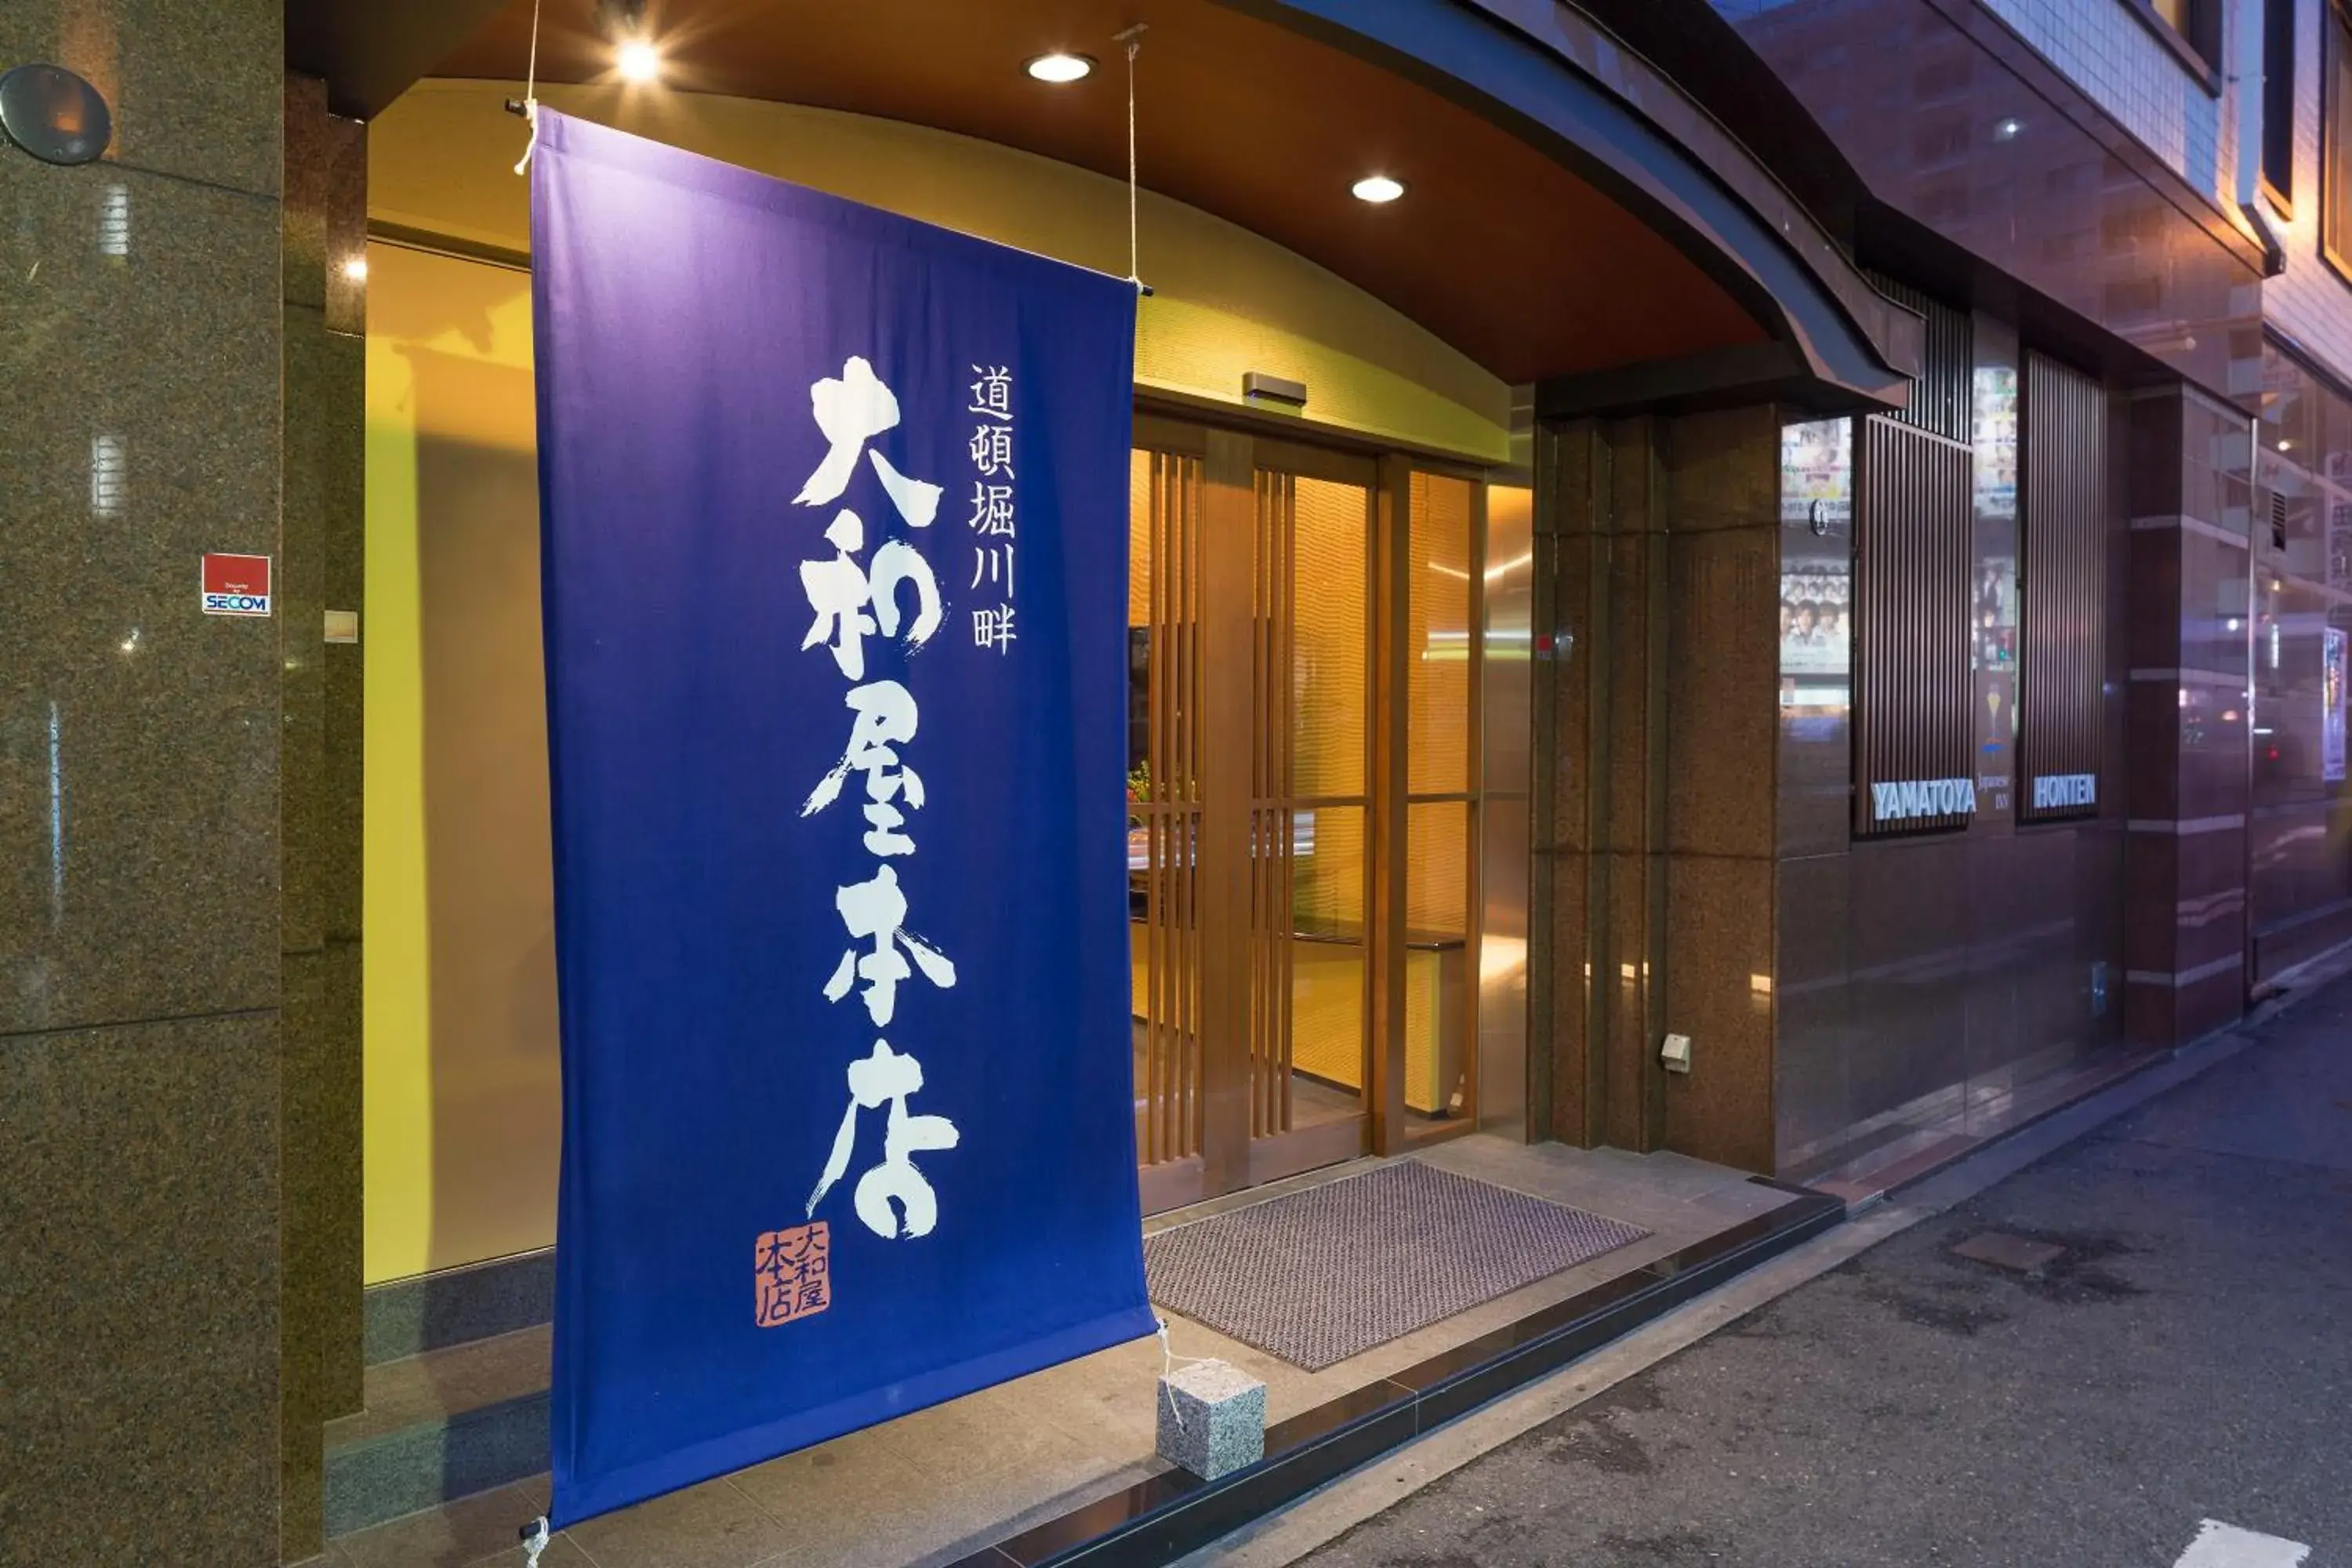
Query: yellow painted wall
[
  {"x": 1224, "y": 302},
  {"x": 395, "y": 979},
  {"x": 444, "y": 1182},
  {"x": 462, "y": 1109}
]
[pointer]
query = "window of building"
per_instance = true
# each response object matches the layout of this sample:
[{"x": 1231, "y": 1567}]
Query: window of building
[
  {"x": 2193, "y": 28},
  {"x": 2278, "y": 101},
  {"x": 2336, "y": 156}
]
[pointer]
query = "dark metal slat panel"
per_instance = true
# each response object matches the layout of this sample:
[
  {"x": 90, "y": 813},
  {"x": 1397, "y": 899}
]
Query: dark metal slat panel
[
  {"x": 1914, "y": 758},
  {"x": 2062, "y": 622}
]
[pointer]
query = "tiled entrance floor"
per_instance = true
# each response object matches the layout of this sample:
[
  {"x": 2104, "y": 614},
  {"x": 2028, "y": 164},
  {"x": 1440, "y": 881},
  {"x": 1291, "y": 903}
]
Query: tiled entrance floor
[{"x": 938, "y": 1485}]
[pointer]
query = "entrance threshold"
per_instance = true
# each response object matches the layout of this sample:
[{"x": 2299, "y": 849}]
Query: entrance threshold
[{"x": 1058, "y": 1467}]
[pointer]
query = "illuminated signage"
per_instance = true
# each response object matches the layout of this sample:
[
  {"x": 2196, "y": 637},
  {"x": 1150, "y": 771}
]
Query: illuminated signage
[
  {"x": 2056, "y": 791},
  {"x": 1922, "y": 798}
]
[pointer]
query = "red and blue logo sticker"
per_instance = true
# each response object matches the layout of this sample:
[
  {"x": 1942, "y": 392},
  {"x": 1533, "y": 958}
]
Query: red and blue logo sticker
[{"x": 236, "y": 584}]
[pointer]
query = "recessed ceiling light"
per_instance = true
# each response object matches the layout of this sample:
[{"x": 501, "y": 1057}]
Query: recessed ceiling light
[
  {"x": 1378, "y": 189},
  {"x": 638, "y": 60},
  {"x": 1059, "y": 66},
  {"x": 2007, "y": 130}
]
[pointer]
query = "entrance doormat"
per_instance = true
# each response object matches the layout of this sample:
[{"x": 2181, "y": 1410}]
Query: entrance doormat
[{"x": 1319, "y": 1276}]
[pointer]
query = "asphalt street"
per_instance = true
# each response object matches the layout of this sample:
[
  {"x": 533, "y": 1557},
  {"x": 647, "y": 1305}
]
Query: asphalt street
[{"x": 2183, "y": 1356}]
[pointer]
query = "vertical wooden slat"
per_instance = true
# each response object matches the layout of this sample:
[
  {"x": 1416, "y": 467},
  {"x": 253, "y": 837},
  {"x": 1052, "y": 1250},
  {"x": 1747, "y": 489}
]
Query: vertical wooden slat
[
  {"x": 1195, "y": 802},
  {"x": 1170, "y": 1082},
  {"x": 1285, "y": 820},
  {"x": 1155, "y": 815},
  {"x": 1261, "y": 566},
  {"x": 1385, "y": 837}
]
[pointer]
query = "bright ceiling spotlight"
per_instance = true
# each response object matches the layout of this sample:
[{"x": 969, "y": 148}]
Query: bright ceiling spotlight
[
  {"x": 1378, "y": 189},
  {"x": 638, "y": 60},
  {"x": 1060, "y": 67}
]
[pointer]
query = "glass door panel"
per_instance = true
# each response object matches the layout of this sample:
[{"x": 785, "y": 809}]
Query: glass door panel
[
  {"x": 1442, "y": 768},
  {"x": 1309, "y": 875}
]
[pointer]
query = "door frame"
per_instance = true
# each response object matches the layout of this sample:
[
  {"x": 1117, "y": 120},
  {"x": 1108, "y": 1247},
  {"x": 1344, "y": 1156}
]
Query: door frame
[{"x": 1232, "y": 452}]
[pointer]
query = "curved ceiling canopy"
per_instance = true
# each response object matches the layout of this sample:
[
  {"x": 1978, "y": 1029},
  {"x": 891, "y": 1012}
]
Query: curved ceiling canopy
[{"x": 1496, "y": 248}]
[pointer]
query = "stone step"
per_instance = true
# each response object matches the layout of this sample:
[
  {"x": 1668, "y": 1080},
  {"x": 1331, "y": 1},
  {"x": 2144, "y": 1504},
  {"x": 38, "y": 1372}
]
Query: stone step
[{"x": 440, "y": 1425}]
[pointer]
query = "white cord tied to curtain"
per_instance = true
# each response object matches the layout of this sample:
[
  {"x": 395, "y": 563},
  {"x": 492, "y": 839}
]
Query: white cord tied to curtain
[
  {"x": 531, "y": 114},
  {"x": 1168, "y": 1360},
  {"x": 534, "y": 1541}
]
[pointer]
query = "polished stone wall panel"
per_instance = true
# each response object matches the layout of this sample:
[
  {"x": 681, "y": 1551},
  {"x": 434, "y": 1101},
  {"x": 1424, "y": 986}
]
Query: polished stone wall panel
[
  {"x": 139, "y": 1400},
  {"x": 2151, "y": 783},
  {"x": 1566, "y": 678},
  {"x": 1563, "y": 1032},
  {"x": 323, "y": 551},
  {"x": 1812, "y": 1003},
  {"x": 1622, "y": 971},
  {"x": 1910, "y": 971},
  {"x": 1719, "y": 960},
  {"x": 1626, "y": 826},
  {"x": 194, "y": 87},
  {"x": 140, "y": 392},
  {"x": 1722, "y": 469},
  {"x": 2208, "y": 899},
  {"x": 302, "y": 610},
  {"x": 1722, "y": 690},
  {"x": 141, "y": 1151},
  {"x": 2154, "y": 574},
  {"x": 308, "y": 1252},
  {"x": 2184, "y": 856}
]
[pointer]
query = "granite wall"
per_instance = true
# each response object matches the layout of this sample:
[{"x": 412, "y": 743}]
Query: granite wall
[
  {"x": 165, "y": 1152},
  {"x": 1658, "y": 587},
  {"x": 323, "y": 556}
]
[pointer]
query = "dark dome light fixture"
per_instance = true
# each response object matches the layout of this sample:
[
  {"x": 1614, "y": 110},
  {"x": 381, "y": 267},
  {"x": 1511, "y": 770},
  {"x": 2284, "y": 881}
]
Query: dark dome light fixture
[{"x": 54, "y": 114}]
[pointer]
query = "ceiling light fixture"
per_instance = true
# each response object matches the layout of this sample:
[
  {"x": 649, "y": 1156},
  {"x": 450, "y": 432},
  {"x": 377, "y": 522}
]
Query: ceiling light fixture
[
  {"x": 638, "y": 60},
  {"x": 1060, "y": 67},
  {"x": 356, "y": 269},
  {"x": 1378, "y": 189}
]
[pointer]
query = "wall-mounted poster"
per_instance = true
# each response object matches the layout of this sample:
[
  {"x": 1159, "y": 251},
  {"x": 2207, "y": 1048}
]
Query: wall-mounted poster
[
  {"x": 1817, "y": 476},
  {"x": 2332, "y": 672},
  {"x": 1816, "y": 617},
  {"x": 1994, "y": 429}
]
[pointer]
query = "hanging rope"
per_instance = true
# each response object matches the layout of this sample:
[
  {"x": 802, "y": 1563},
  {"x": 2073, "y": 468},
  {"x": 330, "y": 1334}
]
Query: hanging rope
[
  {"x": 534, "y": 1541},
  {"x": 1133, "y": 39},
  {"x": 1168, "y": 1360},
  {"x": 531, "y": 114}
]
